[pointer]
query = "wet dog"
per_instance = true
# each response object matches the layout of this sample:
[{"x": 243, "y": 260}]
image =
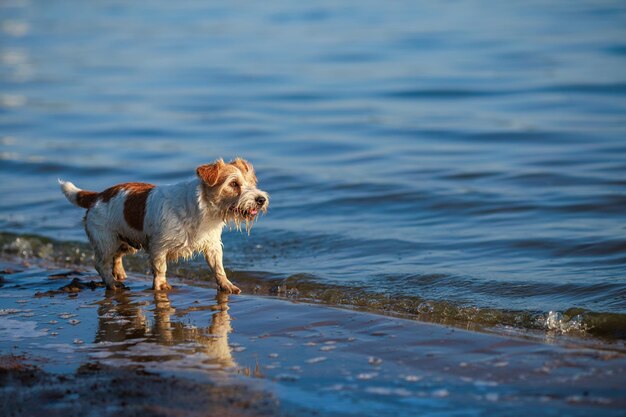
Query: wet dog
[{"x": 171, "y": 221}]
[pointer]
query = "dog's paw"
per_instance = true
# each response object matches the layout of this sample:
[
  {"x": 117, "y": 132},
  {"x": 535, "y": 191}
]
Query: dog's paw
[
  {"x": 162, "y": 286},
  {"x": 119, "y": 276},
  {"x": 228, "y": 287}
]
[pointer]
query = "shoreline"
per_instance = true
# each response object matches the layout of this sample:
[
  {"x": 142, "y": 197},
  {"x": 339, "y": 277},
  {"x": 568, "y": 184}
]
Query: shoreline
[
  {"x": 306, "y": 358},
  {"x": 576, "y": 324}
]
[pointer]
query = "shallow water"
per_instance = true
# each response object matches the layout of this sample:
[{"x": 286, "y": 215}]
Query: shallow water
[
  {"x": 312, "y": 359},
  {"x": 464, "y": 155}
]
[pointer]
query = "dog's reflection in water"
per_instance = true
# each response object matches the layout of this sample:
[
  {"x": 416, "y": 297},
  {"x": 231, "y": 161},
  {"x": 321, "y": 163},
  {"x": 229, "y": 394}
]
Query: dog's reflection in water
[
  {"x": 214, "y": 339},
  {"x": 122, "y": 319}
]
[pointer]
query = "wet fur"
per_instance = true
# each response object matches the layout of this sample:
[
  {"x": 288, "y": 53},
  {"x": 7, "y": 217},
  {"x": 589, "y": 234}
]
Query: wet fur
[{"x": 170, "y": 222}]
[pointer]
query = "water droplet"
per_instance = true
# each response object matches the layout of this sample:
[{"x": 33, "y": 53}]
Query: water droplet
[
  {"x": 425, "y": 308},
  {"x": 553, "y": 320}
]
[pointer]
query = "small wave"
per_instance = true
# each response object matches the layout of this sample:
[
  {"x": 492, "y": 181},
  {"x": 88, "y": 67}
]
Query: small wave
[
  {"x": 588, "y": 88},
  {"x": 556, "y": 321},
  {"x": 298, "y": 96},
  {"x": 34, "y": 168},
  {"x": 573, "y": 321},
  {"x": 443, "y": 93}
]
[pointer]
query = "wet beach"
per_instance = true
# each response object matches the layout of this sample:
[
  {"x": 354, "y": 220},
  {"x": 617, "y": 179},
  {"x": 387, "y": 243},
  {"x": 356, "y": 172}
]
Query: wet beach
[{"x": 265, "y": 355}]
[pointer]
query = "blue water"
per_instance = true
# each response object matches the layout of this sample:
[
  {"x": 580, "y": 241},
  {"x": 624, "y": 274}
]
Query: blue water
[{"x": 472, "y": 152}]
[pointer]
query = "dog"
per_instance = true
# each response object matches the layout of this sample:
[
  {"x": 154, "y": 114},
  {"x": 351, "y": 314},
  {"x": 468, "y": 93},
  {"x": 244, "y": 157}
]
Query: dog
[{"x": 171, "y": 221}]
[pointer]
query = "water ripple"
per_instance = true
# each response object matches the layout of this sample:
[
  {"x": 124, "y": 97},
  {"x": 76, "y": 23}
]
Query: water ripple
[{"x": 413, "y": 157}]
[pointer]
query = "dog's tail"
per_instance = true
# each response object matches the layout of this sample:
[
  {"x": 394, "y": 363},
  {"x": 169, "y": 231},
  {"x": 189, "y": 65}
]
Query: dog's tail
[{"x": 76, "y": 196}]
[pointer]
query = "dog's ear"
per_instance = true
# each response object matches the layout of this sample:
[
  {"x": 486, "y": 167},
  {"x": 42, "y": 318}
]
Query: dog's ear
[
  {"x": 245, "y": 167},
  {"x": 242, "y": 164},
  {"x": 210, "y": 173}
]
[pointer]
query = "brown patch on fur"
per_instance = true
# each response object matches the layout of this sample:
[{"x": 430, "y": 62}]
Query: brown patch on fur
[
  {"x": 246, "y": 169},
  {"x": 86, "y": 199},
  {"x": 111, "y": 192},
  {"x": 216, "y": 173},
  {"x": 211, "y": 173},
  {"x": 135, "y": 204}
]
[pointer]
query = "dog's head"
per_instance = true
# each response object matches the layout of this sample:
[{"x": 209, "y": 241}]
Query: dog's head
[{"x": 231, "y": 189}]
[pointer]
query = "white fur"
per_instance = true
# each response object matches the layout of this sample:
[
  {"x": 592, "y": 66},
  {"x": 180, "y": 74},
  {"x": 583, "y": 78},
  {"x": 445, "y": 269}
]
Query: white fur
[{"x": 69, "y": 189}]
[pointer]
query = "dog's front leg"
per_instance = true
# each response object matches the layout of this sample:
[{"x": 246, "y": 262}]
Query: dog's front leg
[
  {"x": 159, "y": 267},
  {"x": 213, "y": 255}
]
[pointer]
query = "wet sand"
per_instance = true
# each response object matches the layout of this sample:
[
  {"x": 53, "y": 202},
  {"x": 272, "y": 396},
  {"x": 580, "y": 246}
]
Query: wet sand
[
  {"x": 109, "y": 391},
  {"x": 67, "y": 346}
]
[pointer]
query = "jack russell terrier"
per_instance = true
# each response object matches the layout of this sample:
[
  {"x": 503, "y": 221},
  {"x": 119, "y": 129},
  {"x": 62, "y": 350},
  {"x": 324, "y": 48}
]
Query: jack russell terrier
[{"x": 171, "y": 221}]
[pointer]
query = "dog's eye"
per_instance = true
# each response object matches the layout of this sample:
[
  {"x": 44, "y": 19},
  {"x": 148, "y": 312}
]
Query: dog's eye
[{"x": 234, "y": 184}]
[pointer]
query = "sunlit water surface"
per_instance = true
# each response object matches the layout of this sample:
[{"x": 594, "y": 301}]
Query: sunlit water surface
[{"x": 448, "y": 155}]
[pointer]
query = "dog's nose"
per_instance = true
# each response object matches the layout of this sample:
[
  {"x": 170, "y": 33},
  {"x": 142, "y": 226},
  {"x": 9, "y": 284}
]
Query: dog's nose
[{"x": 260, "y": 200}]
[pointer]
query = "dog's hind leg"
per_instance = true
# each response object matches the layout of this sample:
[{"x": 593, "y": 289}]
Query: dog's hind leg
[
  {"x": 118, "y": 267},
  {"x": 104, "y": 266},
  {"x": 105, "y": 247}
]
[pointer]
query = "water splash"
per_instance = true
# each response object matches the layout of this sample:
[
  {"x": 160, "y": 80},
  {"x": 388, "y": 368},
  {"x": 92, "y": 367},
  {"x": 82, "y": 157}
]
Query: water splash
[{"x": 557, "y": 321}]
